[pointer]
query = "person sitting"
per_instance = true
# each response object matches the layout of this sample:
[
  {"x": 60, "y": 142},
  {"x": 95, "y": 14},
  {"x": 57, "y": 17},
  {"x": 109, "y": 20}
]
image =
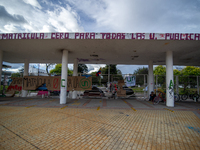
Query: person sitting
[{"x": 152, "y": 96}]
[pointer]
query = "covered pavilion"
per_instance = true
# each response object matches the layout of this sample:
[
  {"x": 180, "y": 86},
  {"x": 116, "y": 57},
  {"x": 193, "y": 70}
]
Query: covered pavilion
[{"x": 103, "y": 48}]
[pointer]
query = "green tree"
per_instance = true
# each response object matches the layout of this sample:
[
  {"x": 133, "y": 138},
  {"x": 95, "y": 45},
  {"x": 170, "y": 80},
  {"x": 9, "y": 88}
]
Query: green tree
[
  {"x": 140, "y": 75},
  {"x": 119, "y": 71},
  {"x": 188, "y": 76},
  {"x": 115, "y": 73},
  {"x": 58, "y": 68},
  {"x": 48, "y": 66},
  {"x": 190, "y": 70},
  {"x": 113, "y": 69},
  {"x": 160, "y": 72},
  {"x": 176, "y": 72},
  {"x": 21, "y": 70},
  {"x": 142, "y": 70},
  {"x": 95, "y": 79},
  {"x": 16, "y": 74},
  {"x": 82, "y": 68}
]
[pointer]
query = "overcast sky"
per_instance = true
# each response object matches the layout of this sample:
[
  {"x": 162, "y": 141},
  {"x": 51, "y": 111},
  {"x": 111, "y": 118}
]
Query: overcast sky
[{"x": 159, "y": 16}]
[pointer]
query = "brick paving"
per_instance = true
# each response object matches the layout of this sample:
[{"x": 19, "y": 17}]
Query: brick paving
[{"x": 33, "y": 123}]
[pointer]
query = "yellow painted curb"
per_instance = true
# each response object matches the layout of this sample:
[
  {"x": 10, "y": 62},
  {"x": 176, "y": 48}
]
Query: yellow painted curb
[
  {"x": 133, "y": 109},
  {"x": 168, "y": 109},
  {"x": 98, "y": 108},
  {"x": 52, "y": 100},
  {"x": 63, "y": 107},
  {"x": 76, "y": 103},
  {"x": 30, "y": 106},
  {"x": 3, "y": 104},
  {"x": 28, "y": 99},
  {"x": 100, "y": 102}
]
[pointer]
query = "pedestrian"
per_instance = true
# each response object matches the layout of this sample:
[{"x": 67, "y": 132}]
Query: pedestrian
[
  {"x": 114, "y": 91},
  {"x": 152, "y": 96},
  {"x": 110, "y": 87}
]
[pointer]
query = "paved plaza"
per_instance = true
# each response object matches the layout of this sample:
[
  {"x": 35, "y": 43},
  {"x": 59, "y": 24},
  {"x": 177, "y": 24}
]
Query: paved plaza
[{"x": 36, "y": 123}]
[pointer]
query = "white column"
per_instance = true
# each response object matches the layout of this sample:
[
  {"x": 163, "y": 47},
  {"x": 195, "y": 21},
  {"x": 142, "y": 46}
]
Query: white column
[
  {"x": 26, "y": 68},
  {"x": 169, "y": 79},
  {"x": 150, "y": 78},
  {"x": 1, "y": 61},
  {"x": 63, "y": 89},
  {"x": 75, "y": 73}
]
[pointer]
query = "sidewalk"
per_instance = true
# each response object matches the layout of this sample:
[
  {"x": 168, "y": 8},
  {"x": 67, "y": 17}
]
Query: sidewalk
[{"x": 34, "y": 123}]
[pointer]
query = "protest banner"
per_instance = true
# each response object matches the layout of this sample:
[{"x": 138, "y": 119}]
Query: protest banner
[
  {"x": 105, "y": 36},
  {"x": 52, "y": 83},
  {"x": 33, "y": 82},
  {"x": 120, "y": 81},
  {"x": 130, "y": 81},
  {"x": 121, "y": 93},
  {"x": 15, "y": 85},
  {"x": 83, "y": 83}
]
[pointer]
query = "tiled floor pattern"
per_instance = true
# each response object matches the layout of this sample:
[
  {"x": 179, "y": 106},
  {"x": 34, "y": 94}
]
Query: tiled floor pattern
[{"x": 79, "y": 128}]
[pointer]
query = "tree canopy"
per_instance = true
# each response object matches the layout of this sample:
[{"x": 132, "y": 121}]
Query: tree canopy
[
  {"x": 113, "y": 69},
  {"x": 185, "y": 75},
  {"x": 16, "y": 74},
  {"x": 139, "y": 76},
  {"x": 115, "y": 75},
  {"x": 58, "y": 68},
  {"x": 48, "y": 66},
  {"x": 186, "y": 71},
  {"x": 190, "y": 70},
  {"x": 159, "y": 70},
  {"x": 143, "y": 70},
  {"x": 176, "y": 72},
  {"x": 82, "y": 68}
]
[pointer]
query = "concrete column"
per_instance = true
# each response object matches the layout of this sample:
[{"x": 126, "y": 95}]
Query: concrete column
[
  {"x": 169, "y": 79},
  {"x": 150, "y": 78},
  {"x": 63, "y": 89},
  {"x": 75, "y": 73},
  {"x": 26, "y": 68},
  {"x": 1, "y": 61}
]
